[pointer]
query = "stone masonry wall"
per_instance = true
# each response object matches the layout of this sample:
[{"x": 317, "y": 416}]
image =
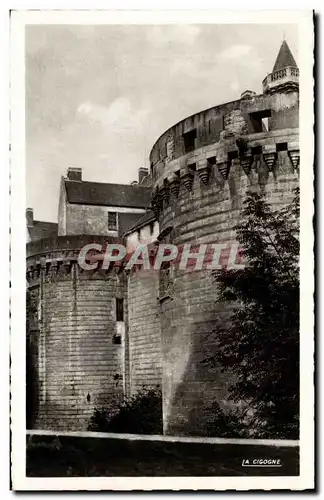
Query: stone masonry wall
[
  {"x": 199, "y": 195},
  {"x": 233, "y": 117},
  {"x": 80, "y": 366},
  {"x": 144, "y": 330},
  {"x": 88, "y": 219}
]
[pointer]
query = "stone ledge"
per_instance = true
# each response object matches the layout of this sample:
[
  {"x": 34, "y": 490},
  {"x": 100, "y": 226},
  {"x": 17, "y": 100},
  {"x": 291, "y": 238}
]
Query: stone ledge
[{"x": 80, "y": 454}]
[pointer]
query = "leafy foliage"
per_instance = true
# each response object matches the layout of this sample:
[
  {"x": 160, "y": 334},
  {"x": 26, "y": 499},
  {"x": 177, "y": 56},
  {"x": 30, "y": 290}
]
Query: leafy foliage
[
  {"x": 260, "y": 344},
  {"x": 225, "y": 424},
  {"x": 139, "y": 414}
]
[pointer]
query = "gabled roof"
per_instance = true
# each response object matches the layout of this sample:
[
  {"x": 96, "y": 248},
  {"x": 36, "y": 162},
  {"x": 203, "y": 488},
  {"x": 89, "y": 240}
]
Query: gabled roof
[
  {"x": 284, "y": 58},
  {"x": 98, "y": 193}
]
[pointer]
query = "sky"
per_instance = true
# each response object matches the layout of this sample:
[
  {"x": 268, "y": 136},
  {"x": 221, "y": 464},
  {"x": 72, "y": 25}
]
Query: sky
[{"x": 98, "y": 97}]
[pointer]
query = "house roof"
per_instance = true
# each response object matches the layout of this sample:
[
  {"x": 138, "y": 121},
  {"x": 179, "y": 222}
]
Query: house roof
[
  {"x": 42, "y": 230},
  {"x": 142, "y": 221},
  {"x": 126, "y": 221},
  {"x": 98, "y": 193},
  {"x": 284, "y": 58}
]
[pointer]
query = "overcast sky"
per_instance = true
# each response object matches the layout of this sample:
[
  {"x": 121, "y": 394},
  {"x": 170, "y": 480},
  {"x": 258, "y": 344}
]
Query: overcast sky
[{"x": 97, "y": 97}]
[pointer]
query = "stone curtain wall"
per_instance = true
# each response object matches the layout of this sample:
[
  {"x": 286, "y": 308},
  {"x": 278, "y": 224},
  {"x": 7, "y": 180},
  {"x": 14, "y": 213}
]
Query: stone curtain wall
[
  {"x": 144, "y": 330},
  {"x": 80, "y": 367},
  {"x": 199, "y": 194}
]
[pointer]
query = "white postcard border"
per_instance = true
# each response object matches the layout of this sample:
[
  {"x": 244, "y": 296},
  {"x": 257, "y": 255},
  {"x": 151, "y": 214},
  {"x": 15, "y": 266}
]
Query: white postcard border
[{"x": 18, "y": 235}]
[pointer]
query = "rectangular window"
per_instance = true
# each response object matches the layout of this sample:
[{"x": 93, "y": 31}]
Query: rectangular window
[
  {"x": 112, "y": 221},
  {"x": 119, "y": 309},
  {"x": 117, "y": 339},
  {"x": 260, "y": 121},
  {"x": 189, "y": 140},
  {"x": 281, "y": 146}
]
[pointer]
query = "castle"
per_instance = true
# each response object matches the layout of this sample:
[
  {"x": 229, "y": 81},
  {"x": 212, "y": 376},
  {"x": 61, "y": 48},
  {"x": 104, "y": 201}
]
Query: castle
[{"x": 94, "y": 336}]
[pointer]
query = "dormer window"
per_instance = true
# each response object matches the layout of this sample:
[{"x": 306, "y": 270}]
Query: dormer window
[{"x": 112, "y": 221}]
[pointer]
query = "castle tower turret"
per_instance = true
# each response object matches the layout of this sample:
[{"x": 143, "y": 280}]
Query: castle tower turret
[
  {"x": 202, "y": 169},
  {"x": 285, "y": 74},
  {"x": 75, "y": 334}
]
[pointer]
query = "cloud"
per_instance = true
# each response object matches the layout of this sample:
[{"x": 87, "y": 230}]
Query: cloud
[
  {"x": 118, "y": 118},
  {"x": 236, "y": 51},
  {"x": 245, "y": 56},
  {"x": 183, "y": 65},
  {"x": 184, "y": 34},
  {"x": 99, "y": 96}
]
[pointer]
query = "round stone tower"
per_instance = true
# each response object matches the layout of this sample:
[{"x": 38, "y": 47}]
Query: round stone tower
[
  {"x": 75, "y": 343},
  {"x": 202, "y": 168}
]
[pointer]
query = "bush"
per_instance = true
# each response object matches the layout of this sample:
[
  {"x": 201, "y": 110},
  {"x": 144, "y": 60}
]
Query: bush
[
  {"x": 224, "y": 424},
  {"x": 139, "y": 414}
]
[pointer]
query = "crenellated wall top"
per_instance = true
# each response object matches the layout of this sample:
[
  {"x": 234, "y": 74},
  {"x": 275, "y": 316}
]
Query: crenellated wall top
[
  {"x": 63, "y": 244},
  {"x": 57, "y": 258},
  {"x": 243, "y": 117},
  {"x": 215, "y": 164}
]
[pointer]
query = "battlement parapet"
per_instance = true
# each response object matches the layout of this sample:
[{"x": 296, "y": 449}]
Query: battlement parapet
[
  {"x": 267, "y": 114},
  {"x": 57, "y": 258},
  {"x": 285, "y": 78}
]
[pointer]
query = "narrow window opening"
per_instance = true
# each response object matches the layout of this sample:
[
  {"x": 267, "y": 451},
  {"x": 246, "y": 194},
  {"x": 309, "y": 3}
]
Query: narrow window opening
[
  {"x": 112, "y": 221},
  {"x": 189, "y": 140},
  {"x": 119, "y": 309},
  {"x": 117, "y": 339}
]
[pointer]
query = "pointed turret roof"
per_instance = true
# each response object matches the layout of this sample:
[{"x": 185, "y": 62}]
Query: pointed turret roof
[{"x": 284, "y": 58}]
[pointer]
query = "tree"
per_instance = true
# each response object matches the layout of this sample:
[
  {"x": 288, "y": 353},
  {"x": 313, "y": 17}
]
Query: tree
[{"x": 260, "y": 344}]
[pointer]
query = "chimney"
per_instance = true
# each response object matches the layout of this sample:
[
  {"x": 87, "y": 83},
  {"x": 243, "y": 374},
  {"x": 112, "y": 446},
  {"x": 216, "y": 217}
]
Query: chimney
[
  {"x": 74, "y": 174},
  {"x": 30, "y": 217},
  {"x": 142, "y": 173}
]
